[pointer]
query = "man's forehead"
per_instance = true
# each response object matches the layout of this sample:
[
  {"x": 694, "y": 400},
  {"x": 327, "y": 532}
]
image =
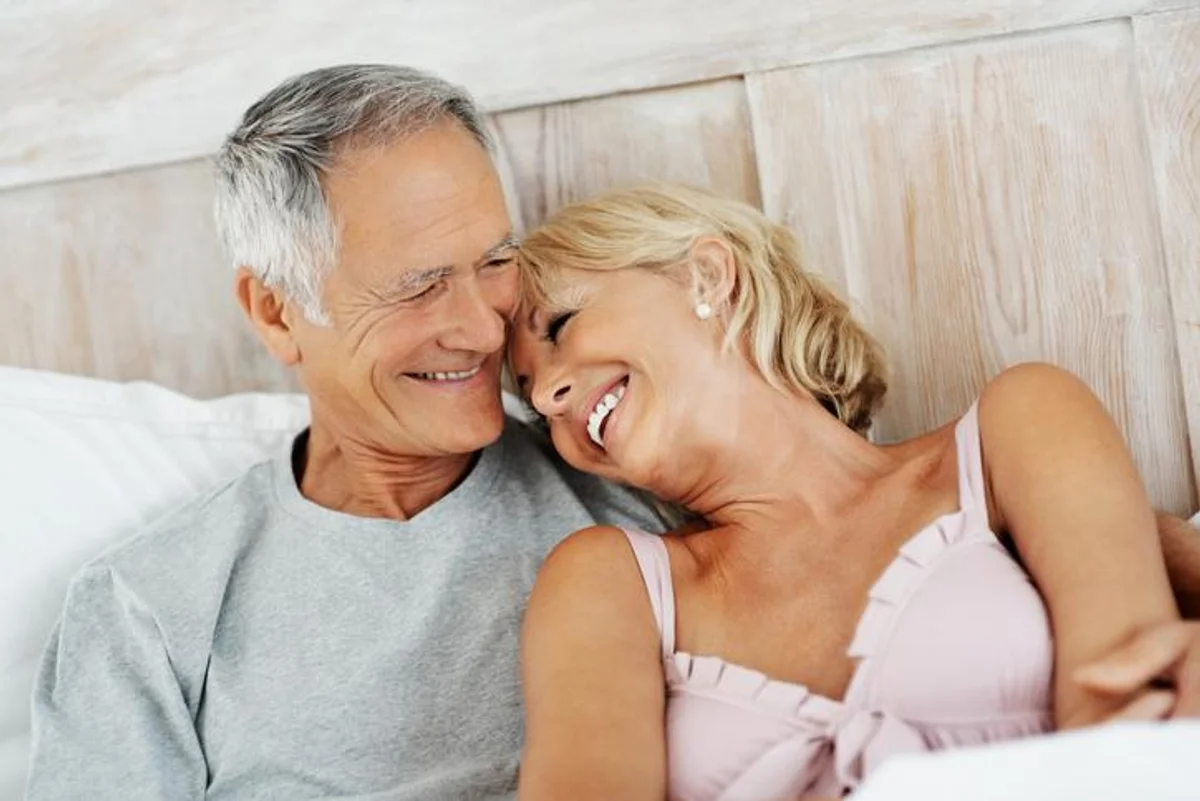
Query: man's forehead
[
  {"x": 432, "y": 195},
  {"x": 439, "y": 166},
  {"x": 458, "y": 232}
]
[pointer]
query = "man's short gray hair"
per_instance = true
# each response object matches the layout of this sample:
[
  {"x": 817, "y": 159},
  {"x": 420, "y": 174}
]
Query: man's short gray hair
[{"x": 271, "y": 211}]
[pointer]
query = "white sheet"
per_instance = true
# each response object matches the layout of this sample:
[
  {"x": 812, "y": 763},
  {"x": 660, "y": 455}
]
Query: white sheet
[{"x": 1126, "y": 762}]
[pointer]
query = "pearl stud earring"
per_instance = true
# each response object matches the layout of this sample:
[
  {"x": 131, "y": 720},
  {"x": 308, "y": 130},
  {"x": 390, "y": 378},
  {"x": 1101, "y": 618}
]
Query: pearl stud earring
[{"x": 703, "y": 311}]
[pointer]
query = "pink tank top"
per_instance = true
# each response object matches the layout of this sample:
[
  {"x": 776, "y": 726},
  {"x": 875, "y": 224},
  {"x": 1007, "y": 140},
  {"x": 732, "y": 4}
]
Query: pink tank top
[{"x": 953, "y": 649}]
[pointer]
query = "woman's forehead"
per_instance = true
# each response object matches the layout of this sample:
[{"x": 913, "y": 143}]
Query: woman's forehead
[{"x": 552, "y": 292}]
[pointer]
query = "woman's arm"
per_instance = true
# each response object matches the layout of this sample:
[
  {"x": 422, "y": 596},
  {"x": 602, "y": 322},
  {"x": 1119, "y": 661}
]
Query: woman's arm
[
  {"x": 1160, "y": 666},
  {"x": 1155, "y": 674},
  {"x": 592, "y": 665},
  {"x": 1065, "y": 487}
]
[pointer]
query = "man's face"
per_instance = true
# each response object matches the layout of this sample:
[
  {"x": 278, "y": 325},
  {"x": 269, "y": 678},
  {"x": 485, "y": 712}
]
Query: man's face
[{"x": 423, "y": 286}]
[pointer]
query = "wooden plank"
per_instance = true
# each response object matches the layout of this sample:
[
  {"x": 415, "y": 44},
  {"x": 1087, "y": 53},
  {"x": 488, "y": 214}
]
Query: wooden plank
[
  {"x": 1168, "y": 52},
  {"x": 791, "y": 134},
  {"x": 89, "y": 87},
  {"x": 695, "y": 134},
  {"x": 121, "y": 277},
  {"x": 987, "y": 204}
]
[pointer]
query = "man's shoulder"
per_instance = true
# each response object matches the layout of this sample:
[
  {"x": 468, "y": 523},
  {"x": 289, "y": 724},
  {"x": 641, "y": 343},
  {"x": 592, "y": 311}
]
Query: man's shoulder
[
  {"x": 532, "y": 465},
  {"x": 176, "y": 570},
  {"x": 197, "y": 532}
]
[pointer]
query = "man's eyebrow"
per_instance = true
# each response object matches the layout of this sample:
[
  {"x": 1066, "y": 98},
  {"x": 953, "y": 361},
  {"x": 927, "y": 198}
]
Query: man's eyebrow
[
  {"x": 410, "y": 281},
  {"x": 507, "y": 243}
]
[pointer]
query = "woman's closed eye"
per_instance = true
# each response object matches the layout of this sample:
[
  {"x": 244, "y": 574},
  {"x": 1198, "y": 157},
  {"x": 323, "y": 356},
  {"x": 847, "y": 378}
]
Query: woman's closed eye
[{"x": 555, "y": 326}]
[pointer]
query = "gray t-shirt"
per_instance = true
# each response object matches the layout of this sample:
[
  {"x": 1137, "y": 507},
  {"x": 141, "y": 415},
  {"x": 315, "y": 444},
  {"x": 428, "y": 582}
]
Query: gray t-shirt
[{"x": 256, "y": 645}]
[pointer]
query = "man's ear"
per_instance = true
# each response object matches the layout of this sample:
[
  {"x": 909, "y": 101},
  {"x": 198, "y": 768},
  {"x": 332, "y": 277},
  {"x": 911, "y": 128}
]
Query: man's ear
[
  {"x": 714, "y": 272},
  {"x": 270, "y": 314}
]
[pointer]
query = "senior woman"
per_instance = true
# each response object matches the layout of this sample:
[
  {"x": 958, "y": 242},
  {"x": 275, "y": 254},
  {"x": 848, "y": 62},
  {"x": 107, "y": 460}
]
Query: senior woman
[{"x": 840, "y": 600}]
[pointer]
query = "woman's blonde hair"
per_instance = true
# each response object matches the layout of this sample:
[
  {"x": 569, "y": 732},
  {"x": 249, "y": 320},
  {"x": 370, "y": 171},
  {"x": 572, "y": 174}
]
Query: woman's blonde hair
[{"x": 798, "y": 332}]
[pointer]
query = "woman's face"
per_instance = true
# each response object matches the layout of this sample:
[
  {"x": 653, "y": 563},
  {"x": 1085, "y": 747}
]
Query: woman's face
[{"x": 629, "y": 379}]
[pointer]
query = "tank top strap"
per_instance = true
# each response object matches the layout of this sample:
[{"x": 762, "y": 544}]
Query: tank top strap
[
  {"x": 972, "y": 493},
  {"x": 651, "y": 554}
]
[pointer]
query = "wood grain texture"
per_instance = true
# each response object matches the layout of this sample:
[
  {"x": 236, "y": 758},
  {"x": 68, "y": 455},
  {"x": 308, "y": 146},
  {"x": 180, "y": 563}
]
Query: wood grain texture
[
  {"x": 1168, "y": 51},
  {"x": 988, "y": 204},
  {"x": 796, "y": 175},
  {"x": 89, "y": 87},
  {"x": 696, "y": 134},
  {"x": 121, "y": 277}
]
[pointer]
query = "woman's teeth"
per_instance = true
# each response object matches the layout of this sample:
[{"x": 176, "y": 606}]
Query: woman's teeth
[
  {"x": 459, "y": 376},
  {"x": 599, "y": 415}
]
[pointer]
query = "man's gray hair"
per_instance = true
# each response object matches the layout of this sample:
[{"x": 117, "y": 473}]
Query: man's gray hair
[{"x": 270, "y": 208}]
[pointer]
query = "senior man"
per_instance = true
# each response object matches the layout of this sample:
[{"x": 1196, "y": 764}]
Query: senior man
[{"x": 341, "y": 622}]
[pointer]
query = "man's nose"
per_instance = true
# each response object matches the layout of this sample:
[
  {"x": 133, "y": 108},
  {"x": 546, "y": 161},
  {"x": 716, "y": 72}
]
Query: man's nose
[{"x": 477, "y": 325}]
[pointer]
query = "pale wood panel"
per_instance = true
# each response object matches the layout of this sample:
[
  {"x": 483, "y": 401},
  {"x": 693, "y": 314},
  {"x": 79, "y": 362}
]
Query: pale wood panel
[
  {"x": 89, "y": 87},
  {"x": 988, "y": 204},
  {"x": 695, "y": 134},
  {"x": 1168, "y": 47},
  {"x": 121, "y": 277},
  {"x": 795, "y": 173}
]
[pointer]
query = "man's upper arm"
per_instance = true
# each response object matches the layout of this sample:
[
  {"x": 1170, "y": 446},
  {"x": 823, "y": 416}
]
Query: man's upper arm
[
  {"x": 1181, "y": 550},
  {"x": 109, "y": 718}
]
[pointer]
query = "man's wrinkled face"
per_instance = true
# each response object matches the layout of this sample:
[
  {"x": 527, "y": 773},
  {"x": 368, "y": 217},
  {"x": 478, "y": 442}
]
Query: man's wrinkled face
[{"x": 423, "y": 286}]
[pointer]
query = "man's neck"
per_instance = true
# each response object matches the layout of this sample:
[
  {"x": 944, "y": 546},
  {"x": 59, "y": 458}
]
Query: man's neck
[{"x": 367, "y": 482}]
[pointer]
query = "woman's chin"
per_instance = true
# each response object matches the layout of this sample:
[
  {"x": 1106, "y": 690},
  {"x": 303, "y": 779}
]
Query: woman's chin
[
  {"x": 638, "y": 474},
  {"x": 610, "y": 469}
]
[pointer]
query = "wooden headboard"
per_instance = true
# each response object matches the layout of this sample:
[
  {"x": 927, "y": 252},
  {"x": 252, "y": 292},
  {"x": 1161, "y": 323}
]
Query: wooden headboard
[{"x": 989, "y": 182}]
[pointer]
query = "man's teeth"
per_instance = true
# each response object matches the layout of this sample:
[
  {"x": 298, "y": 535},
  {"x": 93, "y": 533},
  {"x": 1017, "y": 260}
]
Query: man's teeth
[
  {"x": 602, "y": 411},
  {"x": 459, "y": 376}
]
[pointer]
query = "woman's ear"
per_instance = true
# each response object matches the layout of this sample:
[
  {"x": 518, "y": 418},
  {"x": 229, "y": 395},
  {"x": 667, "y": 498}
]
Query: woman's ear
[
  {"x": 714, "y": 272},
  {"x": 270, "y": 314}
]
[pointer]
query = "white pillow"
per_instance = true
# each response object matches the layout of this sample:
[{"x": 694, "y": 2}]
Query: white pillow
[{"x": 85, "y": 464}]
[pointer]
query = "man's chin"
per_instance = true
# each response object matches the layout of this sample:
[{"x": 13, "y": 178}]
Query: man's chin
[
  {"x": 454, "y": 421},
  {"x": 478, "y": 431}
]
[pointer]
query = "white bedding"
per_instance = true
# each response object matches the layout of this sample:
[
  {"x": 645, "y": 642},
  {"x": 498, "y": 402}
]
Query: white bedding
[{"x": 1126, "y": 762}]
